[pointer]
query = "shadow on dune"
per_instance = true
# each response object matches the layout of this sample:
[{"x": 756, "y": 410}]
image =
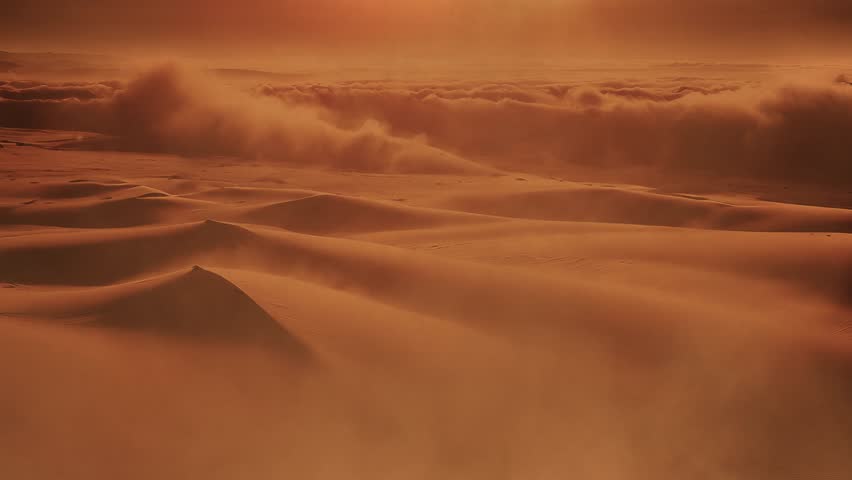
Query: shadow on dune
[{"x": 197, "y": 305}]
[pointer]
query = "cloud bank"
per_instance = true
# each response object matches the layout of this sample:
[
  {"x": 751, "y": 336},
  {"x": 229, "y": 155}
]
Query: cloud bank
[
  {"x": 684, "y": 125},
  {"x": 171, "y": 110}
]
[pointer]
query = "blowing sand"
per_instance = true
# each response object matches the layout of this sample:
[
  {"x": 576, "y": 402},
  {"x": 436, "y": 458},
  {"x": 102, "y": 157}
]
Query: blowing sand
[{"x": 179, "y": 317}]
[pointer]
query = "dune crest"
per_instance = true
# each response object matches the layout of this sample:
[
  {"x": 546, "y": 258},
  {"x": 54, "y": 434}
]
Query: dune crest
[
  {"x": 324, "y": 214},
  {"x": 642, "y": 207},
  {"x": 94, "y": 257},
  {"x": 196, "y": 305}
]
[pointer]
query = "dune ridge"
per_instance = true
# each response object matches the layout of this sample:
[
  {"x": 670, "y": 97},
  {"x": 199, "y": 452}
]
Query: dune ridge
[
  {"x": 648, "y": 208},
  {"x": 193, "y": 305},
  {"x": 325, "y": 213},
  {"x": 197, "y": 304},
  {"x": 97, "y": 257}
]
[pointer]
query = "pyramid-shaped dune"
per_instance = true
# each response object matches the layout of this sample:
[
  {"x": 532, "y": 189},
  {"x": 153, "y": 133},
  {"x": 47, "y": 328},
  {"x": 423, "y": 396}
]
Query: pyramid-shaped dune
[{"x": 195, "y": 305}]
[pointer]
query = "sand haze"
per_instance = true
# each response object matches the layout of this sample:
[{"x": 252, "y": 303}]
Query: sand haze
[{"x": 426, "y": 239}]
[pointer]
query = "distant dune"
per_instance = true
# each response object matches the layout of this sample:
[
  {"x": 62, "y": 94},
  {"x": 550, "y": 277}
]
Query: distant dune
[
  {"x": 647, "y": 208},
  {"x": 326, "y": 213}
]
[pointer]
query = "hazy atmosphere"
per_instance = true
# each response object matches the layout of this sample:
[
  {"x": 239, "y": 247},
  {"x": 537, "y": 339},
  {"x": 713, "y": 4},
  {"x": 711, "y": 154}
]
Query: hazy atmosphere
[
  {"x": 795, "y": 30},
  {"x": 449, "y": 239}
]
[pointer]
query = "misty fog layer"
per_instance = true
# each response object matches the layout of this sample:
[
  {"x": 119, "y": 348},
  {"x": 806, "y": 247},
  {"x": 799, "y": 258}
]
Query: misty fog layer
[{"x": 694, "y": 125}]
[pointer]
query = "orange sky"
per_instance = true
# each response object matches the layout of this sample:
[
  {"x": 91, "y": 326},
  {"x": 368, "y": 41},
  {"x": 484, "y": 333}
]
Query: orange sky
[{"x": 570, "y": 29}]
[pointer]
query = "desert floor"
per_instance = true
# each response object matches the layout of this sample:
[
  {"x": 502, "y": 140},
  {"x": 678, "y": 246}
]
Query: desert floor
[{"x": 170, "y": 317}]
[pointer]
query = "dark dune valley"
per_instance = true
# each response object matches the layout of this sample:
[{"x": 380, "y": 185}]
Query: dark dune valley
[{"x": 444, "y": 240}]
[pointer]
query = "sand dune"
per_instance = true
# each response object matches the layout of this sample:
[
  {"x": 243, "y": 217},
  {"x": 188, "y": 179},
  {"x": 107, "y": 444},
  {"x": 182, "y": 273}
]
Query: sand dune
[
  {"x": 146, "y": 208},
  {"x": 346, "y": 327},
  {"x": 98, "y": 257},
  {"x": 171, "y": 312},
  {"x": 249, "y": 194},
  {"x": 324, "y": 214},
  {"x": 99, "y": 205},
  {"x": 198, "y": 304},
  {"x": 647, "y": 208},
  {"x": 425, "y": 284},
  {"x": 195, "y": 304},
  {"x": 67, "y": 190}
]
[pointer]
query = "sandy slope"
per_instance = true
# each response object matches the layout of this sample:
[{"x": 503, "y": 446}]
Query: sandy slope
[
  {"x": 638, "y": 206},
  {"x": 165, "y": 317}
]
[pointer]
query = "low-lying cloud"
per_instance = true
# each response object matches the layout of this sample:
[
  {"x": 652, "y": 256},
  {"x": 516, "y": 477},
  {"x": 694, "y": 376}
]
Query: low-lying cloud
[
  {"x": 685, "y": 125},
  {"x": 171, "y": 110},
  {"x": 27, "y": 90}
]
